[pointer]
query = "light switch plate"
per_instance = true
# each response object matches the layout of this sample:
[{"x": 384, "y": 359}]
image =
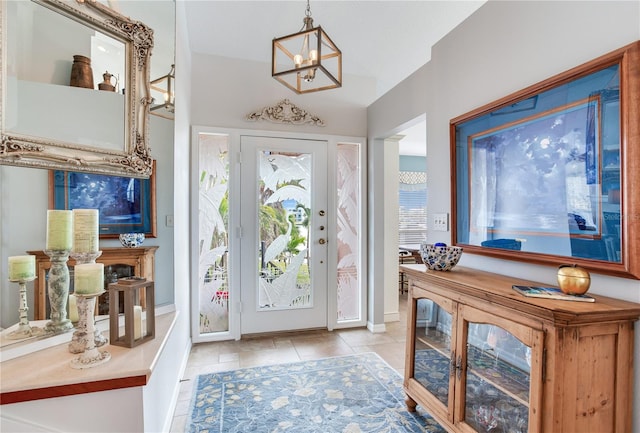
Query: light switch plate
[{"x": 441, "y": 222}]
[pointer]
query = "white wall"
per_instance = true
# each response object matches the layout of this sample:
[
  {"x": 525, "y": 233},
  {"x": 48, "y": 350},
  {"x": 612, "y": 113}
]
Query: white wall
[
  {"x": 503, "y": 47},
  {"x": 225, "y": 90},
  {"x": 391, "y": 219},
  {"x": 162, "y": 391}
]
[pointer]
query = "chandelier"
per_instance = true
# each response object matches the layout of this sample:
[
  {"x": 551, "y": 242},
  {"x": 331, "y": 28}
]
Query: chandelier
[
  {"x": 307, "y": 61},
  {"x": 165, "y": 87}
]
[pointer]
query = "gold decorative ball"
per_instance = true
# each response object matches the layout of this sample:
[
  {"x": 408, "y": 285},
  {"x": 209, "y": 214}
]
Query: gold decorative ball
[{"x": 573, "y": 280}]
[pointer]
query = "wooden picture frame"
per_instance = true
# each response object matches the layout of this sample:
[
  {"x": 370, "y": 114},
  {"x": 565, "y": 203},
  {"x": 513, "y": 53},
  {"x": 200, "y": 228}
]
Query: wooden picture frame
[
  {"x": 547, "y": 175},
  {"x": 126, "y": 204}
]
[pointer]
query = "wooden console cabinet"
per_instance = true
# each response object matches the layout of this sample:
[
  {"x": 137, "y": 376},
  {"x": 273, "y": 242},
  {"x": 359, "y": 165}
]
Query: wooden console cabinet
[
  {"x": 140, "y": 262},
  {"x": 482, "y": 358}
]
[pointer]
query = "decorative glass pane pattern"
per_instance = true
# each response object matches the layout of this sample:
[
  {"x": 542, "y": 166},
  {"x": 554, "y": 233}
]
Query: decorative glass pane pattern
[
  {"x": 213, "y": 240},
  {"x": 348, "y": 224},
  {"x": 284, "y": 200}
]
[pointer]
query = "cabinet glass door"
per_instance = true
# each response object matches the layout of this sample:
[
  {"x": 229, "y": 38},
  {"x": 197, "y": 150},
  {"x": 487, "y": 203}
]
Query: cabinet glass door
[
  {"x": 498, "y": 373},
  {"x": 432, "y": 356}
]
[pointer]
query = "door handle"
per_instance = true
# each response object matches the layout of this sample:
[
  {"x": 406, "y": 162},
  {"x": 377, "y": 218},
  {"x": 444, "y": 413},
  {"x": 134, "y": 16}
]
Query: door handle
[{"x": 322, "y": 241}]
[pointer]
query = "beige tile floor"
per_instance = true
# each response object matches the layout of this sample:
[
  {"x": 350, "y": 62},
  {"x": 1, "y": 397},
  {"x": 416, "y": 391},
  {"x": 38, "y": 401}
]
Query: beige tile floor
[{"x": 288, "y": 347}]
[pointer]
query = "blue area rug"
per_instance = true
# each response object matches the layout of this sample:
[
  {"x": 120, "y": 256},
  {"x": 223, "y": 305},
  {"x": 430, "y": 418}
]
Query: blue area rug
[{"x": 347, "y": 394}]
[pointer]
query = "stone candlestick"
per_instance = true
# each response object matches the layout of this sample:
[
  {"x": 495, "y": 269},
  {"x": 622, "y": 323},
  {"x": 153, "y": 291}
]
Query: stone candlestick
[
  {"x": 90, "y": 356},
  {"x": 24, "y": 329},
  {"x": 58, "y": 291},
  {"x": 77, "y": 344}
]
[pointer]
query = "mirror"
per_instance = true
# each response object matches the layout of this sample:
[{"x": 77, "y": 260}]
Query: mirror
[{"x": 75, "y": 88}]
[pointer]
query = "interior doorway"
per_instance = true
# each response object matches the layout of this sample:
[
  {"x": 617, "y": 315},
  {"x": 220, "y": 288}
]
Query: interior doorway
[
  {"x": 412, "y": 186},
  {"x": 405, "y": 205}
]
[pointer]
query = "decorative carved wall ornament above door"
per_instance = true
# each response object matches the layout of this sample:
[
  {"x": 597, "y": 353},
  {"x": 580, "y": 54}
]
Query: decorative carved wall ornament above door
[{"x": 285, "y": 112}]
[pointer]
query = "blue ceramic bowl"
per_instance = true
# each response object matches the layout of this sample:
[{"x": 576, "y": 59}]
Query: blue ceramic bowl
[
  {"x": 440, "y": 257},
  {"x": 131, "y": 240}
]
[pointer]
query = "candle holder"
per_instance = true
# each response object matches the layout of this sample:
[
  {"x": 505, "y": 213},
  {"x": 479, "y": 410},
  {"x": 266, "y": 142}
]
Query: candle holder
[
  {"x": 139, "y": 299},
  {"x": 77, "y": 344},
  {"x": 91, "y": 356},
  {"x": 24, "y": 329},
  {"x": 58, "y": 291}
]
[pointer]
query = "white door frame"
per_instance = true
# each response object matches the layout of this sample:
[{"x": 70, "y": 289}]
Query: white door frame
[{"x": 234, "y": 213}]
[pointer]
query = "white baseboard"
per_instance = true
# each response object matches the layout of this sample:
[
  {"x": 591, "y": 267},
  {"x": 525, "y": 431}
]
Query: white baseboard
[
  {"x": 376, "y": 328},
  {"x": 391, "y": 317}
]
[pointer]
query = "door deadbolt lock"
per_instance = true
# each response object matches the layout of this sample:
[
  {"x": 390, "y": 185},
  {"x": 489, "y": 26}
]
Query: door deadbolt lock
[
  {"x": 322, "y": 241},
  {"x": 321, "y": 213}
]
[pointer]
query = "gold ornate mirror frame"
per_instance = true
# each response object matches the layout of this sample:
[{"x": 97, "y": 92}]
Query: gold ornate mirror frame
[{"x": 133, "y": 157}]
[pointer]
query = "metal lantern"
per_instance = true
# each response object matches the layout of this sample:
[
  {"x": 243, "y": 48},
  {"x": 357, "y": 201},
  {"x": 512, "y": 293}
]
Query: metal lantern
[
  {"x": 138, "y": 301},
  {"x": 165, "y": 87},
  {"x": 307, "y": 61}
]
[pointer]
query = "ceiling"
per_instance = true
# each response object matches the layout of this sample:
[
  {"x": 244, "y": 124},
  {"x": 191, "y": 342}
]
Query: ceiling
[
  {"x": 384, "y": 40},
  {"x": 414, "y": 142}
]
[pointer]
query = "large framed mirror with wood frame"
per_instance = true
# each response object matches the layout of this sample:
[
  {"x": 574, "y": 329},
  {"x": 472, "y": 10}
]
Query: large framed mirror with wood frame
[
  {"x": 75, "y": 88},
  {"x": 550, "y": 174}
]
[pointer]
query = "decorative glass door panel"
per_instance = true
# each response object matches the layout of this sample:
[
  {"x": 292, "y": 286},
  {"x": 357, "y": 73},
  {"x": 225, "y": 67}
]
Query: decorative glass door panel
[
  {"x": 213, "y": 239},
  {"x": 497, "y": 381},
  {"x": 284, "y": 223},
  {"x": 348, "y": 226},
  {"x": 433, "y": 364},
  {"x": 284, "y": 200}
]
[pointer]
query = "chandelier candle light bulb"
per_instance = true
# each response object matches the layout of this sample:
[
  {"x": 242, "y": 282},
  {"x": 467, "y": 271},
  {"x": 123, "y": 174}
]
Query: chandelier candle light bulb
[
  {"x": 89, "y": 279},
  {"x": 22, "y": 267},
  {"x": 85, "y": 230},
  {"x": 59, "y": 226}
]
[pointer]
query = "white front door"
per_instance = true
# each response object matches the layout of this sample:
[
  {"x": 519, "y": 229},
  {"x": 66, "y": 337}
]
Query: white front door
[{"x": 284, "y": 214}]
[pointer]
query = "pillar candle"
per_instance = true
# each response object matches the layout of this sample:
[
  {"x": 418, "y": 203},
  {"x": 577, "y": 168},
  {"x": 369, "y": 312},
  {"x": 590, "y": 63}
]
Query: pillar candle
[
  {"x": 22, "y": 267},
  {"x": 137, "y": 322},
  {"x": 73, "y": 308},
  {"x": 59, "y": 224},
  {"x": 88, "y": 278},
  {"x": 85, "y": 230}
]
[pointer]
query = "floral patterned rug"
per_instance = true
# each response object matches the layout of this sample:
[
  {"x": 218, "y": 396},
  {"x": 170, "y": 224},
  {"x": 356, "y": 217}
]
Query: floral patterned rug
[{"x": 348, "y": 394}]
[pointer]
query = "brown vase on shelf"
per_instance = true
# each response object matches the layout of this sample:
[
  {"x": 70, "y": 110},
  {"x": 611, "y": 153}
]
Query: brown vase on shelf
[
  {"x": 81, "y": 73},
  {"x": 106, "y": 84}
]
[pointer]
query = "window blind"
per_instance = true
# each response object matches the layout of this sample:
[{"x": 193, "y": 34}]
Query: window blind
[{"x": 412, "y": 200}]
